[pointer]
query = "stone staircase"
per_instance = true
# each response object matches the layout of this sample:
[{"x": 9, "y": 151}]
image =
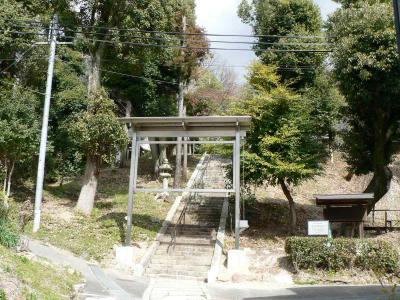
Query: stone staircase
[
  {"x": 169, "y": 289},
  {"x": 186, "y": 250}
]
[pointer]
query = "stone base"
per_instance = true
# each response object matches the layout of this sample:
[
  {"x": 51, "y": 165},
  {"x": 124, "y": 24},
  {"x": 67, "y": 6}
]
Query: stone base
[
  {"x": 238, "y": 262},
  {"x": 124, "y": 256},
  {"x": 138, "y": 270}
]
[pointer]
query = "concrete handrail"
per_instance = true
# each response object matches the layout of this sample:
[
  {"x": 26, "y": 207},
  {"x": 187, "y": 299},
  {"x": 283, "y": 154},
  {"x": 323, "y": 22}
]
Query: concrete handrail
[{"x": 219, "y": 244}]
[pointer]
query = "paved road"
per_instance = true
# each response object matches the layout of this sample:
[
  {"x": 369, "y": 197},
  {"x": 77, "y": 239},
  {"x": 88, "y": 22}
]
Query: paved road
[
  {"x": 222, "y": 292},
  {"x": 100, "y": 283}
]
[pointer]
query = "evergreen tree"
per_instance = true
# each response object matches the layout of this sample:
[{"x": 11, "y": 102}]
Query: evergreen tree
[
  {"x": 283, "y": 146},
  {"x": 367, "y": 67},
  {"x": 276, "y": 21}
]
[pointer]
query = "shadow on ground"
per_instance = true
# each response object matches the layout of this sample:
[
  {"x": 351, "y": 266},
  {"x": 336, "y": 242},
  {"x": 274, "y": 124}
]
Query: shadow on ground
[
  {"x": 269, "y": 220},
  {"x": 334, "y": 293},
  {"x": 143, "y": 221}
]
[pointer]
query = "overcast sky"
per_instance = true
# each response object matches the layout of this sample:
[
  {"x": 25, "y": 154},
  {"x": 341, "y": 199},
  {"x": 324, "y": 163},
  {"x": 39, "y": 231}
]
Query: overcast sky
[{"x": 220, "y": 16}]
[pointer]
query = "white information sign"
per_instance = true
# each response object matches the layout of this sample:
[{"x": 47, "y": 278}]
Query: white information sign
[{"x": 318, "y": 228}]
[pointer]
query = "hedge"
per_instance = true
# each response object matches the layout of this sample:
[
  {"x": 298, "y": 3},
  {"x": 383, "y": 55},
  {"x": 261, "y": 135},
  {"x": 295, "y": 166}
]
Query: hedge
[{"x": 312, "y": 253}]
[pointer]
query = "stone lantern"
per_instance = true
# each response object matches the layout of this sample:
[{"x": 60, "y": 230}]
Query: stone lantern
[{"x": 165, "y": 175}]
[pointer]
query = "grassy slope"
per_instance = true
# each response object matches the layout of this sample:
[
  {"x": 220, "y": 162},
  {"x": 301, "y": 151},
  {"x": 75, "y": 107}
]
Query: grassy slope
[
  {"x": 34, "y": 279},
  {"x": 94, "y": 237}
]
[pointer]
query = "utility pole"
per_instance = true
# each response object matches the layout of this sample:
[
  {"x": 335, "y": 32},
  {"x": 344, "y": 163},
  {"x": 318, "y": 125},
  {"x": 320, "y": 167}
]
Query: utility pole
[
  {"x": 45, "y": 122},
  {"x": 178, "y": 163},
  {"x": 396, "y": 7}
]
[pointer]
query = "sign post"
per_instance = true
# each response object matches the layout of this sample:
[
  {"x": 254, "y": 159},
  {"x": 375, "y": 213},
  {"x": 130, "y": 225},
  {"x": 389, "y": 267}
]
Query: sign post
[{"x": 319, "y": 228}]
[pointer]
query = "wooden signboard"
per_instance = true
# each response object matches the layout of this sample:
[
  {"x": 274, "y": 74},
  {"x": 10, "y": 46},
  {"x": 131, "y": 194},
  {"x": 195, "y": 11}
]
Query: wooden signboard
[{"x": 318, "y": 228}]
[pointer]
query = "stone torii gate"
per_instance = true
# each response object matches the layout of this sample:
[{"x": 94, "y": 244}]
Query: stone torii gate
[{"x": 234, "y": 127}]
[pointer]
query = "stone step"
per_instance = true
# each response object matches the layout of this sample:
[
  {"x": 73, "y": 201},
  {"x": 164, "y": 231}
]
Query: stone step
[
  {"x": 191, "y": 228},
  {"x": 185, "y": 256},
  {"x": 203, "y": 209},
  {"x": 180, "y": 298},
  {"x": 194, "y": 235},
  {"x": 203, "y": 201},
  {"x": 170, "y": 273},
  {"x": 179, "y": 259},
  {"x": 201, "y": 214},
  {"x": 191, "y": 233},
  {"x": 199, "y": 248},
  {"x": 177, "y": 268},
  {"x": 183, "y": 253},
  {"x": 205, "y": 204},
  {"x": 178, "y": 277},
  {"x": 187, "y": 240},
  {"x": 196, "y": 208},
  {"x": 211, "y": 225},
  {"x": 194, "y": 226},
  {"x": 194, "y": 217},
  {"x": 176, "y": 284},
  {"x": 188, "y": 255},
  {"x": 199, "y": 221},
  {"x": 177, "y": 294}
]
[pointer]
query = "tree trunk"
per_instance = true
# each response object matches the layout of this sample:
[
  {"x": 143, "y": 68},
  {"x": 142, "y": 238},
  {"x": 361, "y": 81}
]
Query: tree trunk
[
  {"x": 178, "y": 148},
  {"x": 9, "y": 179},
  {"x": 292, "y": 207},
  {"x": 123, "y": 151},
  {"x": 89, "y": 187},
  {"x": 379, "y": 184},
  {"x": 180, "y": 104},
  {"x": 5, "y": 177},
  {"x": 178, "y": 164},
  {"x": 383, "y": 135},
  {"x": 94, "y": 70},
  {"x": 155, "y": 158}
]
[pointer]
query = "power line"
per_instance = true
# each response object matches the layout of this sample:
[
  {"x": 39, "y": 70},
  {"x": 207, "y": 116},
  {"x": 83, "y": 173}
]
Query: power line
[
  {"x": 293, "y": 67},
  {"x": 14, "y": 59},
  {"x": 179, "y": 39},
  {"x": 18, "y": 59},
  {"x": 206, "y": 34},
  {"x": 24, "y": 32},
  {"x": 194, "y": 48},
  {"x": 194, "y": 40},
  {"x": 140, "y": 77},
  {"x": 22, "y": 87},
  {"x": 246, "y": 66},
  {"x": 132, "y": 76},
  {"x": 204, "y": 48},
  {"x": 29, "y": 21}
]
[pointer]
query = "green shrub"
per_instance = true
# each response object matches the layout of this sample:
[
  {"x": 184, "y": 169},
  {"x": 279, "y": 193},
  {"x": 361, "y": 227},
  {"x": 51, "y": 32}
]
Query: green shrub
[
  {"x": 340, "y": 254},
  {"x": 8, "y": 237},
  {"x": 3, "y": 206},
  {"x": 3, "y": 295},
  {"x": 379, "y": 256}
]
